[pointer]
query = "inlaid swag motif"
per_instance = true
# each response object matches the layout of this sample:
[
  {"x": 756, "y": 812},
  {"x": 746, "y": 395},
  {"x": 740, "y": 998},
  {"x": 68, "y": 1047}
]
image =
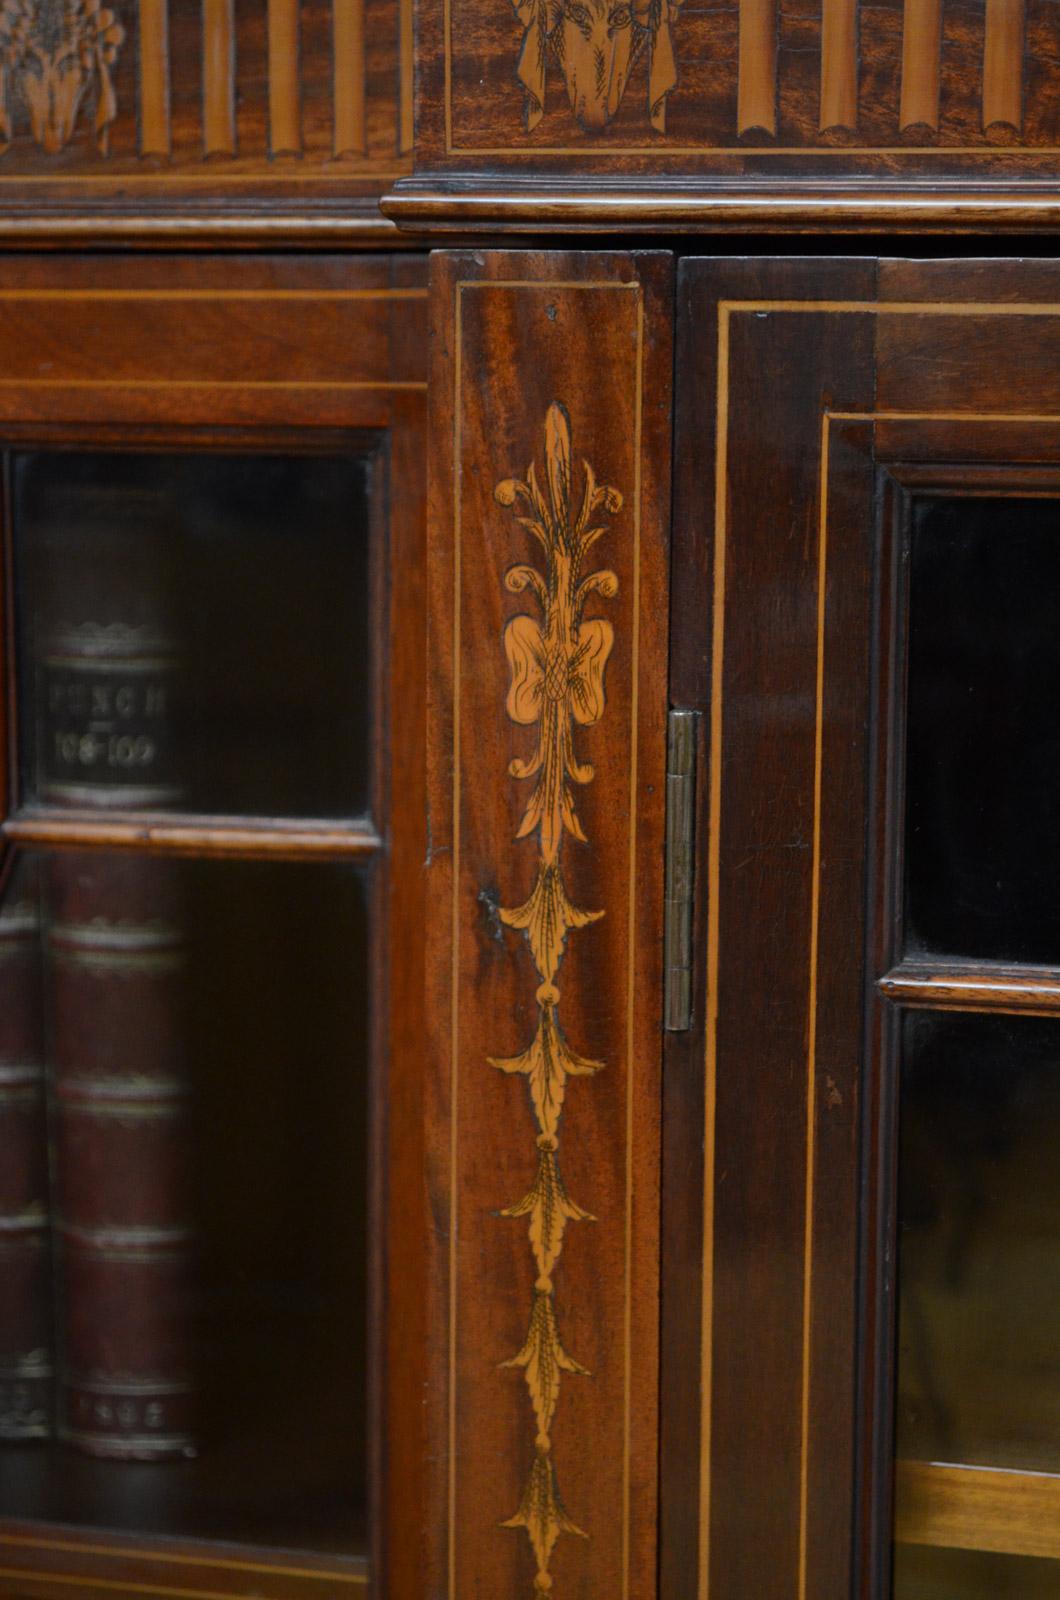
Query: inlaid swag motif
[
  {"x": 557, "y": 662},
  {"x": 596, "y": 44},
  {"x": 56, "y": 56}
]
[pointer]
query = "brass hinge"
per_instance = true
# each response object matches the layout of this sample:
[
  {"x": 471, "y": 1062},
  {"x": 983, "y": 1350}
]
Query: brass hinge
[{"x": 680, "y": 868}]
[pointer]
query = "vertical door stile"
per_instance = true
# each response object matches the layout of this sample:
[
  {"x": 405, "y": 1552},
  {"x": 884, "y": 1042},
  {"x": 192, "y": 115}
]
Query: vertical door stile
[{"x": 549, "y": 571}]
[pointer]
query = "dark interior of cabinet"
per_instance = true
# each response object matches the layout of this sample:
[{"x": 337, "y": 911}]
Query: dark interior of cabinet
[
  {"x": 254, "y": 570},
  {"x": 277, "y": 1035},
  {"x": 979, "y": 1210},
  {"x": 260, "y": 564},
  {"x": 982, "y": 852},
  {"x": 976, "y": 1086}
]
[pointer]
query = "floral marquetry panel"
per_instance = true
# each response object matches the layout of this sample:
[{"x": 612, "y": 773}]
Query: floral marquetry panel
[
  {"x": 148, "y": 109},
  {"x": 548, "y": 671}
]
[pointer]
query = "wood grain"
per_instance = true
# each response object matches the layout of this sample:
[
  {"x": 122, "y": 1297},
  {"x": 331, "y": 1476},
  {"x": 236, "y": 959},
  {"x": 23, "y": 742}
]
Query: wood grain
[
  {"x": 59, "y": 1562},
  {"x": 775, "y": 116},
  {"x": 782, "y": 1090},
  {"x": 180, "y": 134},
  {"x": 348, "y": 32},
  {"x": 285, "y": 111},
  {"x": 800, "y": 203},
  {"x": 513, "y": 335},
  {"x": 190, "y": 837},
  {"x": 964, "y": 988},
  {"x": 976, "y": 1508},
  {"x": 952, "y": 442},
  {"x": 839, "y": 64},
  {"x": 154, "y": 78},
  {"x": 218, "y": 78},
  {"x": 921, "y": 47},
  {"x": 406, "y": 76},
  {"x": 757, "y": 92},
  {"x": 903, "y": 378},
  {"x": 132, "y": 395},
  {"x": 1003, "y": 63}
]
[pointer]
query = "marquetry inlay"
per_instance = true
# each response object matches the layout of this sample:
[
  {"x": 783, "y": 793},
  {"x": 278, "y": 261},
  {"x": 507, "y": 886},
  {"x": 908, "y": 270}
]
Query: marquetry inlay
[
  {"x": 56, "y": 66},
  {"x": 285, "y": 90},
  {"x": 625, "y": 78},
  {"x": 557, "y": 661}
]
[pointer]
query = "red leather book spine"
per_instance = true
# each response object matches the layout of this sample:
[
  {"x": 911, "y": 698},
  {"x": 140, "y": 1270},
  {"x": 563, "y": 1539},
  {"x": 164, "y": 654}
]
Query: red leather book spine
[
  {"x": 117, "y": 961},
  {"x": 26, "y": 1373}
]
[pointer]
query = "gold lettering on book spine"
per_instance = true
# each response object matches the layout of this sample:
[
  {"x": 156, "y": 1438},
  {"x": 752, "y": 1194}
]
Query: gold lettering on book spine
[{"x": 557, "y": 665}]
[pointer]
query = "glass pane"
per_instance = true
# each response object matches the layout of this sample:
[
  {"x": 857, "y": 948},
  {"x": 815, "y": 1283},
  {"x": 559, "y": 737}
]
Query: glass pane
[
  {"x": 979, "y": 1241},
  {"x": 982, "y": 850},
  {"x": 978, "y": 1380},
  {"x": 183, "y": 1323},
  {"x": 193, "y": 632},
  {"x": 921, "y": 1573}
]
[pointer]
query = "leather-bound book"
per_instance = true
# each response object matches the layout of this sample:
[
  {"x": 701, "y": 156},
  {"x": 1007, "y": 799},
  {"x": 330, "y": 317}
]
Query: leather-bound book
[
  {"x": 105, "y": 659},
  {"x": 117, "y": 964},
  {"x": 26, "y": 1362},
  {"x": 106, "y": 669}
]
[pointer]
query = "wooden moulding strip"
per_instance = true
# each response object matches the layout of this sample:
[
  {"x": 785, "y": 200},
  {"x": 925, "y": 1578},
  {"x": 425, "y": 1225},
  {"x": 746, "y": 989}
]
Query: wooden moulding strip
[
  {"x": 757, "y": 89},
  {"x": 1003, "y": 63},
  {"x": 128, "y": 1564},
  {"x": 218, "y": 78},
  {"x": 839, "y": 64},
  {"x": 347, "y": 18},
  {"x": 191, "y": 836},
  {"x": 154, "y": 78},
  {"x": 978, "y": 1508},
  {"x": 921, "y": 50},
  {"x": 975, "y": 989},
  {"x": 285, "y": 112}
]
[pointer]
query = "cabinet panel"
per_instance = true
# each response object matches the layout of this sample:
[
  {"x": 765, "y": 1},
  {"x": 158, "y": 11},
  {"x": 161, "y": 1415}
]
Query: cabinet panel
[
  {"x": 215, "y": 573},
  {"x": 856, "y": 411},
  {"x": 897, "y": 91},
  {"x": 550, "y": 434},
  {"x": 218, "y": 117},
  {"x": 761, "y": 113},
  {"x": 783, "y": 688}
]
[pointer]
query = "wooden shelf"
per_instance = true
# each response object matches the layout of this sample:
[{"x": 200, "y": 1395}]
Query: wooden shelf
[
  {"x": 191, "y": 835},
  {"x": 978, "y": 1508},
  {"x": 46, "y": 1562},
  {"x": 973, "y": 987}
]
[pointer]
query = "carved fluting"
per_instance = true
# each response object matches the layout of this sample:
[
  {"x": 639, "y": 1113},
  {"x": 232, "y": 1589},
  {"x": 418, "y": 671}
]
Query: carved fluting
[
  {"x": 921, "y": 48},
  {"x": 155, "y": 132},
  {"x": 56, "y": 59},
  {"x": 596, "y": 44},
  {"x": 557, "y": 662},
  {"x": 348, "y": 34},
  {"x": 285, "y": 109},
  {"x": 839, "y": 64},
  {"x": 1003, "y": 63},
  {"x": 218, "y": 78},
  {"x": 756, "y": 100},
  {"x": 599, "y": 47}
]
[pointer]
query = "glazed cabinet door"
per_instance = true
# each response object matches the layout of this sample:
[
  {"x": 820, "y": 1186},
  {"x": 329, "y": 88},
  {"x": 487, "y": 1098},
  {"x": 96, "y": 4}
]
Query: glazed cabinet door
[
  {"x": 211, "y": 847},
  {"x": 548, "y": 568},
  {"x": 861, "y": 1209}
]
